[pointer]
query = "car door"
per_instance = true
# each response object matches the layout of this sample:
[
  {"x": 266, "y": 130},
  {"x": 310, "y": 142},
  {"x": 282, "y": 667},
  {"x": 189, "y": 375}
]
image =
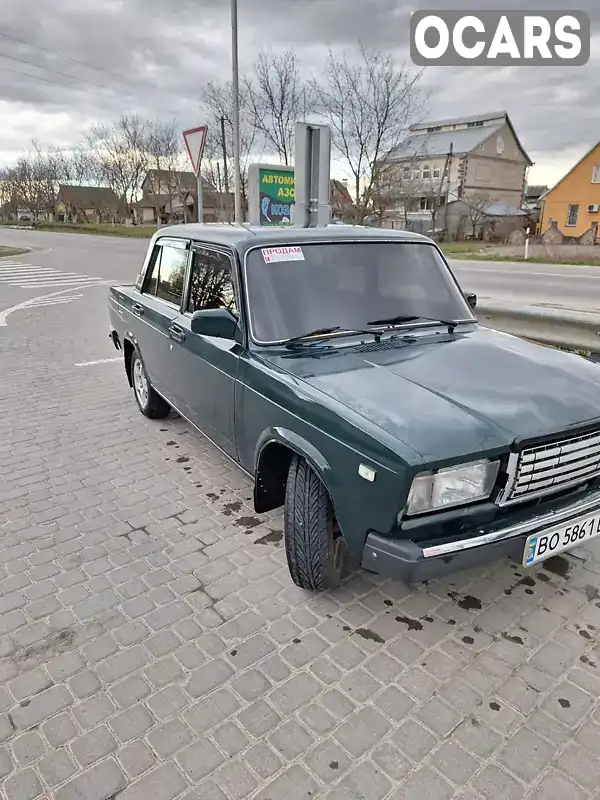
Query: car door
[
  {"x": 207, "y": 367},
  {"x": 161, "y": 293}
]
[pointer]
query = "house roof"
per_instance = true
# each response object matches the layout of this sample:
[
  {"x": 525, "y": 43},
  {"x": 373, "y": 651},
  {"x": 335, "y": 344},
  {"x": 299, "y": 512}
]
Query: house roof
[
  {"x": 421, "y": 143},
  {"x": 494, "y": 115},
  {"x": 570, "y": 172},
  {"x": 87, "y": 196},
  {"x": 183, "y": 178},
  {"x": 535, "y": 191},
  {"x": 504, "y": 210},
  {"x": 342, "y": 189}
]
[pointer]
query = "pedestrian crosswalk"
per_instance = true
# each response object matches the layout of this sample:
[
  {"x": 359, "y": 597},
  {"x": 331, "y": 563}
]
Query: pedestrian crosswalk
[{"x": 35, "y": 276}]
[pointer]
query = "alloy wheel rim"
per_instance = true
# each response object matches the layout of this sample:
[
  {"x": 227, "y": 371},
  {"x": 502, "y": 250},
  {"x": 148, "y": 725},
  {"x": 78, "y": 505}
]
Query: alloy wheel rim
[{"x": 140, "y": 383}]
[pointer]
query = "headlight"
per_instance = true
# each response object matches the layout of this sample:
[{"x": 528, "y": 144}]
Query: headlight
[{"x": 453, "y": 486}]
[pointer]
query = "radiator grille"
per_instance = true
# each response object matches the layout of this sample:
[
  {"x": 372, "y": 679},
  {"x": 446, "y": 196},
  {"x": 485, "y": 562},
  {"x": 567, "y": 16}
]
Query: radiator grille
[{"x": 550, "y": 468}]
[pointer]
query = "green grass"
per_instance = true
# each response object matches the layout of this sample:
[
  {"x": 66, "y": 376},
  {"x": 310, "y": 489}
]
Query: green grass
[
  {"x": 12, "y": 251},
  {"x": 456, "y": 248},
  {"x": 590, "y": 262},
  {"x": 106, "y": 229}
]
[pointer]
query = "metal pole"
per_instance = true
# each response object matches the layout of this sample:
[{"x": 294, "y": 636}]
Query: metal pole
[
  {"x": 236, "y": 111},
  {"x": 448, "y": 170},
  {"x": 199, "y": 190},
  {"x": 225, "y": 169}
]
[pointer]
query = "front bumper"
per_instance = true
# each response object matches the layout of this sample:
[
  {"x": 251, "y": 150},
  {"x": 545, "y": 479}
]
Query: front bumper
[{"x": 411, "y": 562}]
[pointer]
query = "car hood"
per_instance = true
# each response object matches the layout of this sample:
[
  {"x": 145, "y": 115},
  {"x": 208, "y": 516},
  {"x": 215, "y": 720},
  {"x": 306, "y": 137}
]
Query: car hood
[{"x": 451, "y": 396}]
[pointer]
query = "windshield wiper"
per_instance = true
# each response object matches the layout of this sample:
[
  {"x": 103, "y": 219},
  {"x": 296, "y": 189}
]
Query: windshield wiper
[
  {"x": 324, "y": 331},
  {"x": 398, "y": 320}
]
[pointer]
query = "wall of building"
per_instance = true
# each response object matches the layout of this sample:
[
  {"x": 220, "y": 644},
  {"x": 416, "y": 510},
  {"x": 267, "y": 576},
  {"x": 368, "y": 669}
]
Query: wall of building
[
  {"x": 497, "y": 168},
  {"x": 575, "y": 189}
]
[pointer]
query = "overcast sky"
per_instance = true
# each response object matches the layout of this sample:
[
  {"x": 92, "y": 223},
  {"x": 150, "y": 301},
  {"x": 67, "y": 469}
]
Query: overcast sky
[{"x": 152, "y": 56}]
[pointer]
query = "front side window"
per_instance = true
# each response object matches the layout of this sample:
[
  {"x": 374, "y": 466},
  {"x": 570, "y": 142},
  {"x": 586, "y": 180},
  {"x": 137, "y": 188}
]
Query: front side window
[
  {"x": 572, "y": 215},
  {"x": 348, "y": 284},
  {"x": 211, "y": 284},
  {"x": 166, "y": 273}
]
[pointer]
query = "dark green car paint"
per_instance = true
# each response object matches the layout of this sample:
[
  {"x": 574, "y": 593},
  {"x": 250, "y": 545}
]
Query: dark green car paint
[{"x": 400, "y": 407}]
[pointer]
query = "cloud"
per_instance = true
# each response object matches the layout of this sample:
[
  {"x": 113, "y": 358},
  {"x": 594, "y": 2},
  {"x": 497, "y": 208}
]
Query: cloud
[{"x": 82, "y": 63}]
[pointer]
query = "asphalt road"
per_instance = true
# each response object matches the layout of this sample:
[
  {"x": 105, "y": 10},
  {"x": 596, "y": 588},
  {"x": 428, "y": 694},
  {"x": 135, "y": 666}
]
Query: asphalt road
[
  {"x": 152, "y": 644},
  {"x": 119, "y": 259},
  {"x": 575, "y": 288}
]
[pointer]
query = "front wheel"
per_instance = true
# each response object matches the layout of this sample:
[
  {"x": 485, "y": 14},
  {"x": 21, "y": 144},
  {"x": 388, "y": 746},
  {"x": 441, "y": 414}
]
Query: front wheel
[
  {"x": 313, "y": 541},
  {"x": 149, "y": 402}
]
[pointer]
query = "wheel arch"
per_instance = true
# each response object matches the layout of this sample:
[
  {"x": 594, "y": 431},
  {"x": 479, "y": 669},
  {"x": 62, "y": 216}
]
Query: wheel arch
[
  {"x": 274, "y": 453},
  {"x": 128, "y": 350}
]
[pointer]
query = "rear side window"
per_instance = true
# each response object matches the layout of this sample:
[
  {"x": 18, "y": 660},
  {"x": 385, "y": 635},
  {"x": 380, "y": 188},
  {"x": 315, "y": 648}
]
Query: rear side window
[
  {"x": 211, "y": 284},
  {"x": 166, "y": 273}
]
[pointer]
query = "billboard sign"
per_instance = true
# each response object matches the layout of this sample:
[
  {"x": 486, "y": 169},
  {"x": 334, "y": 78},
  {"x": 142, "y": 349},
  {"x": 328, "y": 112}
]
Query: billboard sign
[{"x": 271, "y": 194}]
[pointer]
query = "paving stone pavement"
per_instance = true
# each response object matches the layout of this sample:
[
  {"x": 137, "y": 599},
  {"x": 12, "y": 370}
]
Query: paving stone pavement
[{"x": 153, "y": 647}]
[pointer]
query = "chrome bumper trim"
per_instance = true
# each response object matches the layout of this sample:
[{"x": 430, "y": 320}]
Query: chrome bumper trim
[{"x": 551, "y": 518}]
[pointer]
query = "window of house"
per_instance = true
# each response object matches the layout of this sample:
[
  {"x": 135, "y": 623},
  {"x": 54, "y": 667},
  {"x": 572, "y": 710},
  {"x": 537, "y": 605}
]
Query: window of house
[
  {"x": 596, "y": 174},
  {"x": 211, "y": 284},
  {"x": 437, "y": 172},
  {"x": 166, "y": 273},
  {"x": 425, "y": 203},
  {"x": 426, "y": 171},
  {"x": 572, "y": 215},
  {"x": 406, "y": 173},
  {"x": 416, "y": 175}
]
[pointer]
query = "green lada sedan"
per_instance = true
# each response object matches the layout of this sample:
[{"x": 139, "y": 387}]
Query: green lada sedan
[{"x": 344, "y": 370}]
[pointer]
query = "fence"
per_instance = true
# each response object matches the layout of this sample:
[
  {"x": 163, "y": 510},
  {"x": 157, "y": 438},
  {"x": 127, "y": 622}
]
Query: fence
[{"x": 572, "y": 330}]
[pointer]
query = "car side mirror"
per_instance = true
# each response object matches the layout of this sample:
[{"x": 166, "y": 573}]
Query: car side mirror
[
  {"x": 217, "y": 322},
  {"x": 471, "y": 300}
]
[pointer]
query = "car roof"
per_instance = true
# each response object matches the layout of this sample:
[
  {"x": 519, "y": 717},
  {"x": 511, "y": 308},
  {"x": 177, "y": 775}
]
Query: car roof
[{"x": 243, "y": 237}]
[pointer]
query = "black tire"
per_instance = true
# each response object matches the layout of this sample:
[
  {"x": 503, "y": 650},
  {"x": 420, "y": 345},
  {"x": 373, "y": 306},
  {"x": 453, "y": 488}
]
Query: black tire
[
  {"x": 313, "y": 543},
  {"x": 149, "y": 402}
]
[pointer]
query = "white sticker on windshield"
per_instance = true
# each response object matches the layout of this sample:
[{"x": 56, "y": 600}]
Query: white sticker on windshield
[{"x": 273, "y": 254}]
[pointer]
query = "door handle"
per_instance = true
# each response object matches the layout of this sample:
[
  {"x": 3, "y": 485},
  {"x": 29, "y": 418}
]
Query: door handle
[
  {"x": 176, "y": 333},
  {"x": 137, "y": 309}
]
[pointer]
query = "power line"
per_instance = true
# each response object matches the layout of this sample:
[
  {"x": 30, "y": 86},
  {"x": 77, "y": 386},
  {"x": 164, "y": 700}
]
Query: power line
[
  {"x": 118, "y": 75},
  {"x": 55, "y": 72},
  {"x": 95, "y": 88},
  {"x": 46, "y": 80},
  {"x": 119, "y": 92}
]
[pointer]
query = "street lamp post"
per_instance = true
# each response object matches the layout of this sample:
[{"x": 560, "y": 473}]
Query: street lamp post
[{"x": 236, "y": 111}]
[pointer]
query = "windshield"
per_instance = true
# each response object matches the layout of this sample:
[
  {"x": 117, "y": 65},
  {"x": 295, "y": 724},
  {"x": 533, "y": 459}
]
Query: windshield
[{"x": 295, "y": 289}]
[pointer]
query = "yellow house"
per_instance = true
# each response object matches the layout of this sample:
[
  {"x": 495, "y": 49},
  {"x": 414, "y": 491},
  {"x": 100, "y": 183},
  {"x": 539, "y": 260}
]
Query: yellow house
[{"x": 574, "y": 202}]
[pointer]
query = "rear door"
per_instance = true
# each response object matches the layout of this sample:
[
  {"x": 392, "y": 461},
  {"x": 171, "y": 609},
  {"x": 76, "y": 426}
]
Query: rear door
[
  {"x": 158, "y": 305},
  {"x": 207, "y": 367}
]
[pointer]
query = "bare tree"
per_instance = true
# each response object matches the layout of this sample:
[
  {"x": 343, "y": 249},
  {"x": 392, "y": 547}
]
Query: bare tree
[
  {"x": 49, "y": 169},
  {"x": 217, "y": 103},
  {"x": 476, "y": 208},
  {"x": 164, "y": 156},
  {"x": 23, "y": 186},
  {"x": 370, "y": 105},
  {"x": 278, "y": 97},
  {"x": 120, "y": 152}
]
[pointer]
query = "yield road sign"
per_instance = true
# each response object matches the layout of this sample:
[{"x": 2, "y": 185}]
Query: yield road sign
[{"x": 194, "y": 142}]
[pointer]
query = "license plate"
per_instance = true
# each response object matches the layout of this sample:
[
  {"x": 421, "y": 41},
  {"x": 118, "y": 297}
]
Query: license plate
[{"x": 540, "y": 546}]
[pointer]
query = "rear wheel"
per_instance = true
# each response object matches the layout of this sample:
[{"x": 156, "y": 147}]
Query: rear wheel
[
  {"x": 313, "y": 541},
  {"x": 149, "y": 402}
]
